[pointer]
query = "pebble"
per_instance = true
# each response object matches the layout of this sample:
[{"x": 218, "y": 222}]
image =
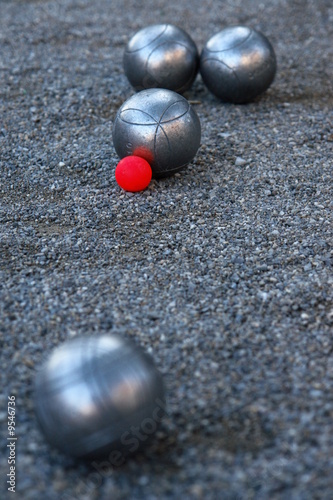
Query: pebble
[{"x": 240, "y": 161}]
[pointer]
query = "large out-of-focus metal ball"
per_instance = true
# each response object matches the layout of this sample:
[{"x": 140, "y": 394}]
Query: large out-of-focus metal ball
[
  {"x": 238, "y": 64},
  {"x": 160, "y": 126},
  {"x": 99, "y": 396},
  {"x": 161, "y": 56}
]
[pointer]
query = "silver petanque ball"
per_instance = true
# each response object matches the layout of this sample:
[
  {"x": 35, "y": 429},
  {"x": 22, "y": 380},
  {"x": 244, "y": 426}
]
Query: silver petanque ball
[
  {"x": 238, "y": 64},
  {"x": 161, "y": 56},
  {"x": 160, "y": 126},
  {"x": 99, "y": 396}
]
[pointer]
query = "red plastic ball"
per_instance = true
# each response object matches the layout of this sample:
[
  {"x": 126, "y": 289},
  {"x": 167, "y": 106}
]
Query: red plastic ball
[{"x": 133, "y": 173}]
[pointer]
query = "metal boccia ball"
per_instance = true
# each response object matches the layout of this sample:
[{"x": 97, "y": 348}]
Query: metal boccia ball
[
  {"x": 99, "y": 396},
  {"x": 161, "y": 56},
  {"x": 238, "y": 64},
  {"x": 160, "y": 126}
]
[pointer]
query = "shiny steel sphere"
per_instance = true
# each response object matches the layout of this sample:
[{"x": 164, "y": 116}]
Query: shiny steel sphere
[
  {"x": 98, "y": 397},
  {"x": 160, "y": 126},
  {"x": 238, "y": 64},
  {"x": 161, "y": 56}
]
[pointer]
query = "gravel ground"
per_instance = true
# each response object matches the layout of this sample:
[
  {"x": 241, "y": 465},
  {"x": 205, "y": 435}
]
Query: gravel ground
[{"x": 223, "y": 271}]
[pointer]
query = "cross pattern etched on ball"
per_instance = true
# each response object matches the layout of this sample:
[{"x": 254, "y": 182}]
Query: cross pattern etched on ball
[
  {"x": 160, "y": 126},
  {"x": 161, "y": 56},
  {"x": 93, "y": 392},
  {"x": 238, "y": 64},
  {"x": 161, "y": 142}
]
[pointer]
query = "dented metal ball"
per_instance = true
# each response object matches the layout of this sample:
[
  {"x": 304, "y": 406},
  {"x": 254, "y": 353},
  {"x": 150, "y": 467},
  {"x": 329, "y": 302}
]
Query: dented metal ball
[
  {"x": 99, "y": 396},
  {"x": 161, "y": 56},
  {"x": 238, "y": 64},
  {"x": 160, "y": 126}
]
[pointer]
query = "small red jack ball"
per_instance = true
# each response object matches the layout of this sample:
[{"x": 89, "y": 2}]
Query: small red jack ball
[{"x": 133, "y": 173}]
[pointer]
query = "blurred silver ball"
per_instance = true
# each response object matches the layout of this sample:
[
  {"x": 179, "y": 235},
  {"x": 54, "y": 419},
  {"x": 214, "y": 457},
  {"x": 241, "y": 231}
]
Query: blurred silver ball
[
  {"x": 160, "y": 126},
  {"x": 161, "y": 56},
  {"x": 238, "y": 64},
  {"x": 99, "y": 396}
]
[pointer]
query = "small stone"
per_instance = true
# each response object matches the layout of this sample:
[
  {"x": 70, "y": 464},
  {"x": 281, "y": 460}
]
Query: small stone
[
  {"x": 143, "y": 480},
  {"x": 240, "y": 161}
]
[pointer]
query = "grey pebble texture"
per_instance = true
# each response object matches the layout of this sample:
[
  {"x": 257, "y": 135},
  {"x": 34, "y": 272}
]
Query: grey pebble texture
[{"x": 223, "y": 272}]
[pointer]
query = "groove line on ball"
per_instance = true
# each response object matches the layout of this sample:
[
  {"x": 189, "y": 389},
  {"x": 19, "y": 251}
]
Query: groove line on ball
[
  {"x": 151, "y": 41},
  {"x": 223, "y": 64},
  {"x": 233, "y": 46},
  {"x": 155, "y": 121}
]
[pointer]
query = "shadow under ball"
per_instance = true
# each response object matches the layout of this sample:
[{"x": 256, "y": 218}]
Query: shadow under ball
[
  {"x": 238, "y": 64},
  {"x": 161, "y": 56},
  {"x": 160, "y": 126},
  {"x": 93, "y": 393}
]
